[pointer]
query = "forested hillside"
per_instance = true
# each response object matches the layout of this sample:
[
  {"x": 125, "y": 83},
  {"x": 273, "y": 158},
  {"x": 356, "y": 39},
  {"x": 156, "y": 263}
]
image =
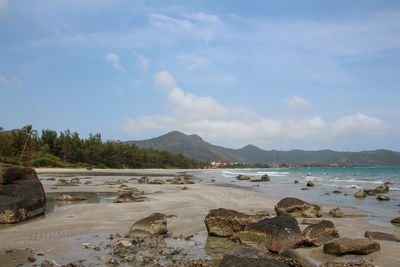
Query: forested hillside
[{"x": 67, "y": 149}]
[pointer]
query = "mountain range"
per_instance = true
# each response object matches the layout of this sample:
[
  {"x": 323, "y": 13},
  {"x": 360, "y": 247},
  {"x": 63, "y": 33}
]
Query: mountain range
[{"x": 194, "y": 146}]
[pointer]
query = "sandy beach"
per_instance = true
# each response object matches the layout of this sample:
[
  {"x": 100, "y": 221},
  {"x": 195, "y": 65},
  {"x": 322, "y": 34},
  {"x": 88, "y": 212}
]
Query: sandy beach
[{"x": 59, "y": 235}]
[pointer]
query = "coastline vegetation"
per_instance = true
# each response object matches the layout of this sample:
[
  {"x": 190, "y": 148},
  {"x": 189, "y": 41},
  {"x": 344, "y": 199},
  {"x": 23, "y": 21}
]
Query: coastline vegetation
[{"x": 67, "y": 149}]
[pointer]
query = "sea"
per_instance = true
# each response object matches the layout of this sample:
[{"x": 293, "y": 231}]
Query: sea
[{"x": 326, "y": 180}]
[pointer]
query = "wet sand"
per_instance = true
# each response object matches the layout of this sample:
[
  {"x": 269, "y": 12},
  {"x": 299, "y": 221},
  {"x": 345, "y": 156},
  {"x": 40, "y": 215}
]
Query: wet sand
[{"x": 59, "y": 235}]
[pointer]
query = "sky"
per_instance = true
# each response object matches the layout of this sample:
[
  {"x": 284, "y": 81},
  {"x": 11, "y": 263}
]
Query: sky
[{"x": 276, "y": 74}]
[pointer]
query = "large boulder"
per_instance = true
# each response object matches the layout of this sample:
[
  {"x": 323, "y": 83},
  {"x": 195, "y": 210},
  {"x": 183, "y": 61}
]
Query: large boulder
[
  {"x": 298, "y": 208},
  {"x": 143, "y": 180},
  {"x": 320, "y": 233},
  {"x": 359, "y": 246},
  {"x": 276, "y": 234},
  {"x": 379, "y": 190},
  {"x": 381, "y": 236},
  {"x": 396, "y": 220},
  {"x": 245, "y": 257},
  {"x": 157, "y": 181},
  {"x": 22, "y": 195},
  {"x": 155, "y": 224},
  {"x": 224, "y": 222}
]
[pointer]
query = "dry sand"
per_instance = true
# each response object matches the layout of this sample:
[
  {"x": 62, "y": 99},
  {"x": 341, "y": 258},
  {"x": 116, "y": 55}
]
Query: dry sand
[{"x": 53, "y": 234}]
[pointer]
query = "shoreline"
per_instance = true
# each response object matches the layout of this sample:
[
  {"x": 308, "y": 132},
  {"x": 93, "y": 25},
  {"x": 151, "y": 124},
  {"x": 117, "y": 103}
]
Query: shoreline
[{"x": 61, "y": 233}]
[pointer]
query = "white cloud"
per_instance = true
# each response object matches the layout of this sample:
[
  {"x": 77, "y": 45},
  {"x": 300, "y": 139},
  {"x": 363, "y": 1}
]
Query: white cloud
[
  {"x": 11, "y": 81},
  {"x": 216, "y": 122},
  {"x": 194, "y": 61},
  {"x": 296, "y": 102},
  {"x": 164, "y": 80},
  {"x": 202, "y": 25},
  {"x": 144, "y": 61},
  {"x": 114, "y": 59}
]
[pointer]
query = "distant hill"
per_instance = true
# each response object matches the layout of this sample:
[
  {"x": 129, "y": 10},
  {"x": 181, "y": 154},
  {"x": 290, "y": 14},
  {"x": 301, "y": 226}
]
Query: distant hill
[{"x": 194, "y": 146}]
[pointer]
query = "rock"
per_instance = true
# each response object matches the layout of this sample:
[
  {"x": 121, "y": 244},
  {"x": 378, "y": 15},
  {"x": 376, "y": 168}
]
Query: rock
[
  {"x": 129, "y": 189},
  {"x": 129, "y": 197},
  {"x": 347, "y": 261},
  {"x": 121, "y": 181},
  {"x": 181, "y": 179},
  {"x": 22, "y": 195},
  {"x": 108, "y": 259},
  {"x": 155, "y": 224},
  {"x": 75, "y": 181},
  {"x": 396, "y": 220},
  {"x": 185, "y": 188},
  {"x": 124, "y": 243},
  {"x": 336, "y": 213},
  {"x": 88, "y": 182},
  {"x": 276, "y": 234},
  {"x": 305, "y": 188},
  {"x": 382, "y": 198},
  {"x": 296, "y": 181},
  {"x": 361, "y": 194},
  {"x": 336, "y": 191},
  {"x": 264, "y": 178},
  {"x": 379, "y": 190},
  {"x": 292, "y": 258},
  {"x": 381, "y": 236},
  {"x": 51, "y": 179},
  {"x": 309, "y": 183},
  {"x": 62, "y": 182},
  {"x": 242, "y": 177},
  {"x": 320, "y": 233},
  {"x": 224, "y": 222},
  {"x": 66, "y": 197},
  {"x": 245, "y": 257},
  {"x": 143, "y": 180},
  {"x": 157, "y": 181},
  {"x": 358, "y": 246},
  {"x": 31, "y": 259},
  {"x": 297, "y": 208}
]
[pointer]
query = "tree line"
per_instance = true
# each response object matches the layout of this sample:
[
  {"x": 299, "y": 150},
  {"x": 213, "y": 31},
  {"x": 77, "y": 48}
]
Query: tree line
[{"x": 27, "y": 147}]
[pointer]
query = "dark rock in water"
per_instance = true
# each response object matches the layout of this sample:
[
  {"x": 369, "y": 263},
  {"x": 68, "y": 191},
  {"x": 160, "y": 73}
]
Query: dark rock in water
[
  {"x": 155, "y": 224},
  {"x": 62, "y": 182},
  {"x": 379, "y": 190},
  {"x": 337, "y": 192},
  {"x": 361, "y": 194},
  {"x": 66, "y": 197},
  {"x": 293, "y": 258},
  {"x": 381, "y": 236},
  {"x": 276, "y": 234},
  {"x": 358, "y": 246},
  {"x": 309, "y": 183},
  {"x": 242, "y": 177},
  {"x": 347, "y": 261},
  {"x": 296, "y": 181},
  {"x": 396, "y": 220},
  {"x": 88, "y": 182},
  {"x": 143, "y": 180},
  {"x": 224, "y": 222},
  {"x": 298, "y": 208},
  {"x": 129, "y": 197},
  {"x": 320, "y": 233},
  {"x": 336, "y": 213},
  {"x": 264, "y": 178},
  {"x": 51, "y": 179},
  {"x": 157, "y": 181},
  {"x": 22, "y": 195},
  {"x": 245, "y": 257},
  {"x": 382, "y": 198},
  {"x": 305, "y": 188}
]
